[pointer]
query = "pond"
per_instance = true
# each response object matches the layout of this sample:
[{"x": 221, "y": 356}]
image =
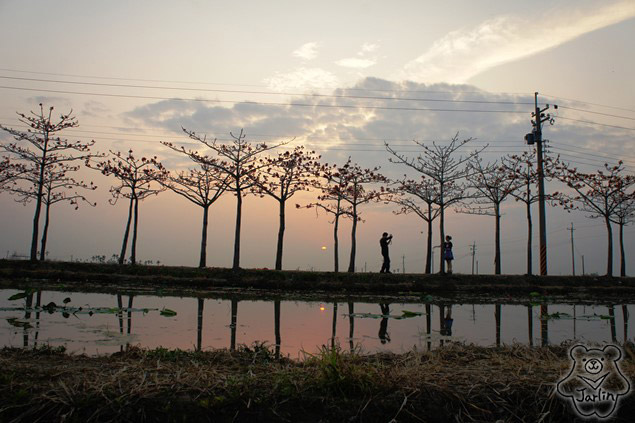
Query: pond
[{"x": 95, "y": 323}]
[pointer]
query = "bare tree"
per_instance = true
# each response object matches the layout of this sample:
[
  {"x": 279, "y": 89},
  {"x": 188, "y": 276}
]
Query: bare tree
[
  {"x": 43, "y": 150},
  {"x": 138, "y": 179},
  {"x": 440, "y": 164},
  {"x": 57, "y": 182},
  {"x": 623, "y": 215},
  {"x": 331, "y": 200},
  {"x": 281, "y": 177},
  {"x": 240, "y": 162},
  {"x": 421, "y": 198},
  {"x": 523, "y": 169},
  {"x": 599, "y": 194},
  {"x": 356, "y": 192},
  {"x": 492, "y": 186},
  {"x": 202, "y": 186}
]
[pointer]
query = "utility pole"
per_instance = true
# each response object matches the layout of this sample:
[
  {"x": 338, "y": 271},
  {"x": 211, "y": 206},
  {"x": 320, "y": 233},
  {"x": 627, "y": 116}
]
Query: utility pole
[
  {"x": 403, "y": 264},
  {"x": 572, "y": 249},
  {"x": 473, "y": 255},
  {"x": 583, "y": 265},
  {"x": 536, "y": 137}
]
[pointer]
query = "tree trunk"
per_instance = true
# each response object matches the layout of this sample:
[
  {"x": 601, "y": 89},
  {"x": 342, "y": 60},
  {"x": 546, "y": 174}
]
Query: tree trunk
[
  {"x": 336, "y": 224},
  {"x": 133, "y": 252},
  {"x": 280, "y": 237},
  {"x": 351, "y": 264},
  {"x": 622, "y": 261},
  {"x": 609, "y": 259},
  {"x": 429, "y": 243},
  {"x": 529, "y": 240},
  {"x": 203, "y": 260},
  {"x": 45, "y": 231},
  {"x": 239, "y": 207},
  {"x": 497, "y": 257},
  {"x": 442, "y": 232},
  {"x": 38, "y": 202},
  {"x": 124, "y": 246}
]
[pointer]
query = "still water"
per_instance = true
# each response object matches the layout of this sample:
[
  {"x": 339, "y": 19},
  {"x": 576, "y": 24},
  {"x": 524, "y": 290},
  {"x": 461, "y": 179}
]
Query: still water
[{"x": 93, "y": 323}]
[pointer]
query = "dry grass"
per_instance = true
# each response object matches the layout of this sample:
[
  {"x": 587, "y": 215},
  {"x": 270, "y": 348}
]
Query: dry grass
[{"x": 453, "y": 383}]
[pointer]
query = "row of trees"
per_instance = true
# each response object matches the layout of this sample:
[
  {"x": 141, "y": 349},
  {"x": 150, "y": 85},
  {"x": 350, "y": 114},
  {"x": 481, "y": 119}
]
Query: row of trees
[{"x": 39, "y": 166}]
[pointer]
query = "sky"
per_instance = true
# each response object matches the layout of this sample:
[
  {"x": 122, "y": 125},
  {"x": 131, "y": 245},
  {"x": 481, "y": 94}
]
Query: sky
[{"x": 340, "y": 78}]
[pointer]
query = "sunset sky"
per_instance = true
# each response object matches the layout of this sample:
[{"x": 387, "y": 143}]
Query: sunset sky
[{"x": 339, "y": 77}]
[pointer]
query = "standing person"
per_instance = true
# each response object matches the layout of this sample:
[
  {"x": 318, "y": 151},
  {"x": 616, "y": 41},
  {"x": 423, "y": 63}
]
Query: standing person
[
  {"x": 384, "y": 242},
  {"x": 447, "y": 252}
]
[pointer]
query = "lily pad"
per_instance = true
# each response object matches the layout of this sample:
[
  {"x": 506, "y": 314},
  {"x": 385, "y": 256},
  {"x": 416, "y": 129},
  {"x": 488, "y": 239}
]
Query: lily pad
[{"x": 168, "y": 313}]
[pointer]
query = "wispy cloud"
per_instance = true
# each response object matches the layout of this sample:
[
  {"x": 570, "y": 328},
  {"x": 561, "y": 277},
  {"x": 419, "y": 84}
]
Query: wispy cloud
[
  {"x": 302, "y": 78},
  {"x": 362, "y": 60},
  {"x": 463, "y": 54},
  {"x": 307, "y": 51}
]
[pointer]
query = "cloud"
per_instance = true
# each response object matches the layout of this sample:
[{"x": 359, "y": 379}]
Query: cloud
[
  {"x": 357, "y": 120},
  {"x": 307, "y": 51},
  {"x": 356, "y": 62},
  {"x": 361, "y": 60},
  {"x": 302, "y": 78},
  {"x": 463, "y": 54}
]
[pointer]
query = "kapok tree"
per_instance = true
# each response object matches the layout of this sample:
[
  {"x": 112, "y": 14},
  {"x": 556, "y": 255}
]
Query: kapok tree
[
  {"x": 332, "y": 185},
  {"x": 441, "y": 164},
  {"x": 281, "y": 177},
  {"x": 421, "y": 198},
  {"x": 523, "y": 169},
  {"x": 624, "y": 214},
  {"x": 202, "y": 186},
  {"x": 491, "y": 187},
  {"x": 138, "y": 179},
  {"x": 40, "y": 148},
  {"x": 238, "y": 160},
  {"x": 57, "y": 184},
  {"x": 598, "y": 194},
  {"x": 356, "y": 192},
  {"x": 9, "y": 172}
]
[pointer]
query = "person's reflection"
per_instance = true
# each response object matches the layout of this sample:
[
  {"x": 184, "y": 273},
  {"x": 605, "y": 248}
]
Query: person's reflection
[
  {"x": 383, "y": 325},
  {"x": 446, "y": 322}
]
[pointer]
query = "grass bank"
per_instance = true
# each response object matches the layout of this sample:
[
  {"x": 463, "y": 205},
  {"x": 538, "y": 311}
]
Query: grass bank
[
  {"x": 106, "y": 277},
  {"x": 453, "y": 383}
]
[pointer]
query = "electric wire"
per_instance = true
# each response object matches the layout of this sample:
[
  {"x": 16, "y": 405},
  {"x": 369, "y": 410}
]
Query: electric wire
[
  {"x": 262, "y": 103},
  {"x": 338, "y": 96}
]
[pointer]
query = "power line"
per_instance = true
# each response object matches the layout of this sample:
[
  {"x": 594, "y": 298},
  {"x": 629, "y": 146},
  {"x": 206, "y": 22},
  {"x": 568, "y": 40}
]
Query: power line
[
  {"x": 586, "y": 102},
  {"x": 596, "y": 113},
  {"x": 254, "y": 85},
  {"x": 261, "y": 103},
  {"x": 554, "y": 147},
  {"x": 358, "y": 97},
  {"x": 594, "y": 123}
]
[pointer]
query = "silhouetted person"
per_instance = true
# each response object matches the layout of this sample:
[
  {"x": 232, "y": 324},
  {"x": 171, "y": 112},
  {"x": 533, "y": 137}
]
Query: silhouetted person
[
  {"x": 447, "y": 252},
  {"x": 383, "y": 325},
  {"x": 384, "y": 242}
]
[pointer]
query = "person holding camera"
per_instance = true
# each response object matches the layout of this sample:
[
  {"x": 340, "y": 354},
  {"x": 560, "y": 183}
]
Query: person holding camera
[{"x": 384, "y": 242}]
